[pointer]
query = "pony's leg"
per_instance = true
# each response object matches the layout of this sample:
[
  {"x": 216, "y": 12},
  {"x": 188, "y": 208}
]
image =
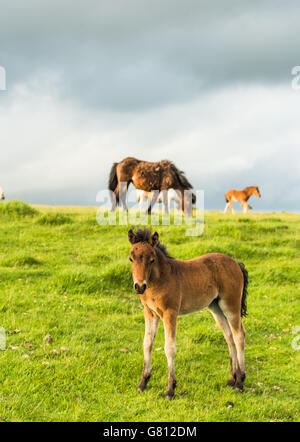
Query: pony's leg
[
  {"x": 226, "y": 207},
  {"x": 224, "y": 326},
  {"x": 170, "y": 323},
  {"x": 238, "y": 333},
  {"x": 123, "y": 185},
  {"x": 115, "y": 198},
  {"x": 186, "y": 202},
  {"x": 151, "y": 326},
  {"x": 153, "y": 200},
  {"x": 165, "y": 198}
]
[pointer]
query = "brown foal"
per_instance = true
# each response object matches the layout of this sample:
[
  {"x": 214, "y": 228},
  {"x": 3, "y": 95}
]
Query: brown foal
[
  {"x": 169, "y": 287},
  {"x": 242, "y": 196}
]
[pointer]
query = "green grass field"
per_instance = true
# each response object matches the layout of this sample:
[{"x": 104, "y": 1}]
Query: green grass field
[{"x": 61, "y": 274}]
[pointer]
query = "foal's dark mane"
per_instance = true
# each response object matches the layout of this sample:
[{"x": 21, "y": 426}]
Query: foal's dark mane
[{"x": 144, "y": 235}]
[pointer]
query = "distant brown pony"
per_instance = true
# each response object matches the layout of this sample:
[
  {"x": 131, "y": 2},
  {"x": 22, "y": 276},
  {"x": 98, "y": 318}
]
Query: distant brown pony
[
  {"x": 148, "y": 176},
  {"x": 169, "y": 287},
  {"x": 242, "y": 196}
]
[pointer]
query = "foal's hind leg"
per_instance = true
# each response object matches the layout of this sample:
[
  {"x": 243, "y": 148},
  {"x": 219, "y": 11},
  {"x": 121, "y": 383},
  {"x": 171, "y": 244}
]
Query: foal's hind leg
[
  {"x": 224, "y": 326},
  {"x": 226, "y": 207},
  {"x": 151, "y": 326},
  {"x": 170, "y": 323},
  {"x": 238, "y": 333}
]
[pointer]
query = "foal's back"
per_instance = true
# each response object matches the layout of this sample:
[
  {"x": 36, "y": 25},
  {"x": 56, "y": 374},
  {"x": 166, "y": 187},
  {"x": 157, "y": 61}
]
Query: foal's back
[{"x": 207, "y": 277}]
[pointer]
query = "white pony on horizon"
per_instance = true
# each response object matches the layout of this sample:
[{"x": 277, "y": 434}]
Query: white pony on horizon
[{"x": 2, "y": 196}]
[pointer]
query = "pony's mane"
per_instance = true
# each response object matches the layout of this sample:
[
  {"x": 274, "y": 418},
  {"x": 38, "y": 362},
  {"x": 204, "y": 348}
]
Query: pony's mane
[
  {"x": 181, "y": 177},
  {"x": 144, "y": 235}
]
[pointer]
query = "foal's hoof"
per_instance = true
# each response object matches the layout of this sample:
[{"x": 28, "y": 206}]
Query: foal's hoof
[
  {"x": 143, "y": 384},
  {"x": 170, "y": 395},
  {"x": 239, "y": 384},
  {"x": 141, "y": 388},
  {"x": 231, "y": 383}
]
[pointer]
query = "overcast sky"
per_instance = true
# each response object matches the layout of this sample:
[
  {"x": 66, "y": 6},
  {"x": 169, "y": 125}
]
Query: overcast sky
[{"x": 206, "y": 84}]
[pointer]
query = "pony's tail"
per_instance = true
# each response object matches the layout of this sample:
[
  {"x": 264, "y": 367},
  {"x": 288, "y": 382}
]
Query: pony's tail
[
  {"x": 244, "y": 294},
  {"x": 185, "y": 184},
  {"x": 113, "y": 180}
]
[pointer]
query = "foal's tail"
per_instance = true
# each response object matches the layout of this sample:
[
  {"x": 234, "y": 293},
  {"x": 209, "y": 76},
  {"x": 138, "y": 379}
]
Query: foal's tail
[{"x": 244, "y": 294}]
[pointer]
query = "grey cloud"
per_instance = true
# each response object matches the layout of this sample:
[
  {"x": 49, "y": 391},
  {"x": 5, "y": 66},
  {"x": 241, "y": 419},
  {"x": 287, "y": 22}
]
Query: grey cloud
[
  {"x": 131, "y": 55},
  {"x": 176, "y": 79}
]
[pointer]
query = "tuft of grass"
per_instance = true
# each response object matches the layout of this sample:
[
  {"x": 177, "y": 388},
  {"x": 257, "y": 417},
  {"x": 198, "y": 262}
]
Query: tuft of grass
[
  {"x": 53, "y": 219},
  {"x": 70, "y": 281},
  {"x": 20, "y": 261},
  {"x": 17, "y": 209},
  {"x": 74, "y": 283}
]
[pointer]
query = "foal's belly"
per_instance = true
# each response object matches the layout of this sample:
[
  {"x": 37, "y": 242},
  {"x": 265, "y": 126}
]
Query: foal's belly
[{"x": 195, "y": 303}]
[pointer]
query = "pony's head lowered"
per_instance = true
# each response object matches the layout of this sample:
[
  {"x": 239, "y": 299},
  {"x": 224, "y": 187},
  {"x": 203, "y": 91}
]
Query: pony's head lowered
[{"x": 2, "y": 197}]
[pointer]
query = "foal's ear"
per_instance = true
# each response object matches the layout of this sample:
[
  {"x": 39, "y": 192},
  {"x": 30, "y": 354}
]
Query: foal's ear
[
  {"x": 154, "y": 239},
  {"x": 131, "y": 236}
]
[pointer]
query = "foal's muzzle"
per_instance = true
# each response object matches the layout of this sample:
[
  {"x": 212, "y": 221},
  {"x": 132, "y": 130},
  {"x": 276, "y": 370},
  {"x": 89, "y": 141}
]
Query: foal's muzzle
[{"x": 139, "y": 288}]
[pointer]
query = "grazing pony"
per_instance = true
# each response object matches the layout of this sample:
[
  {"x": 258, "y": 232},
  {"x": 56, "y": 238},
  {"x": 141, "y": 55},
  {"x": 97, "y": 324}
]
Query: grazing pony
[
  {"x": 148, "y": 176},
  {"x": 170, "y": 287},
  {"x": 2, "y": 197},
  {"x": 173, "y": 195},
  {"x": 242, "y": 196}
]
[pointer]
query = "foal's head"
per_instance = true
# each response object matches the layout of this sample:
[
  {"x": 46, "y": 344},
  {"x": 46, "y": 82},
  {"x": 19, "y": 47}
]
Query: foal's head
[
  {"x": 257, "y": 192},
  {"x": 142, "y": 256}
]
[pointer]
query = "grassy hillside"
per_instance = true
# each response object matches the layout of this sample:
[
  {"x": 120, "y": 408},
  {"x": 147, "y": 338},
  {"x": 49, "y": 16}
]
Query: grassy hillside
[{"x": 61, "y": 274}]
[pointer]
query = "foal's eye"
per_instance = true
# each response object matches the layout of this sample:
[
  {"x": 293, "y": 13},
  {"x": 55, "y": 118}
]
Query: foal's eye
[
  {"x": 130, "y": 259},
  {"x": 152, "y": 260}
]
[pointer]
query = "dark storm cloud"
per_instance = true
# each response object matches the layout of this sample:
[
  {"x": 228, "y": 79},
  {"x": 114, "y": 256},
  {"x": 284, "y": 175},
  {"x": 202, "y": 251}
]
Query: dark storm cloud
[{"x": 133, "y": 54}]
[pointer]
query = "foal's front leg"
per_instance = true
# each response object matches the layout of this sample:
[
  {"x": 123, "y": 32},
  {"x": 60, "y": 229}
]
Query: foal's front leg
[
  {"x": 151, "y": 326},
  {"x": 245, "y": 207},
  {"x": 170, "y": 323}
]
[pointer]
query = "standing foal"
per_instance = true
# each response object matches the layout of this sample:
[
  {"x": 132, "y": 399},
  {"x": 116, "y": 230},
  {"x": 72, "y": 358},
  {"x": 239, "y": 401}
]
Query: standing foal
[{"x": 169, "y": 287}]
